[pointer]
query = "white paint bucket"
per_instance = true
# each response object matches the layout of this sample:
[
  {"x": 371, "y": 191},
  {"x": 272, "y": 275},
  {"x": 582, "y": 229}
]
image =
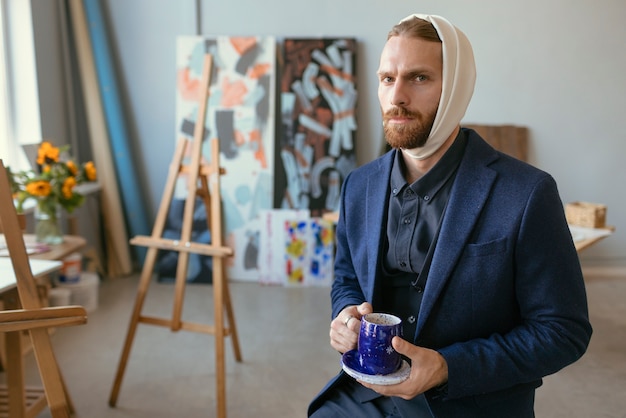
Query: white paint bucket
[
  {"x": 84, "y": 291},
  {"x": 59, "y": 296},
  {"x": 72, "y": 266}
]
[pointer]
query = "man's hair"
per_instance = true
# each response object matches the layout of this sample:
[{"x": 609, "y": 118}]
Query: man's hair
[{"x": 415, "y": 28}]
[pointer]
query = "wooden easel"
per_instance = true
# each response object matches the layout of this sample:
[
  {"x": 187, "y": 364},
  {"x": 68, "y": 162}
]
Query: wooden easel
[
  {"x": 209, "y": 191},
  {"x": 25, "y": 313}
]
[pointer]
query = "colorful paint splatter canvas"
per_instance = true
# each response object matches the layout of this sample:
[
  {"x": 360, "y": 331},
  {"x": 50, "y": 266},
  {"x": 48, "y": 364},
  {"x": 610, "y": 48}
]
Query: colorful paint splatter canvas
[
  {"x": 296, "y": 250},
  {"x": 308, "y": 252},
  {"x": 318, "y": 124},
  {"x": 321, "y": 253},
  {"x": 272, "y": 248},
  {"x": 240, "y": 113}
]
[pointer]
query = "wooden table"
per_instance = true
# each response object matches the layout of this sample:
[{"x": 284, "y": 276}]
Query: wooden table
[
  {"x": 39, "y": 268},
  {"x": 586, "y": 237},
  {"x": 70, "y": 244}
]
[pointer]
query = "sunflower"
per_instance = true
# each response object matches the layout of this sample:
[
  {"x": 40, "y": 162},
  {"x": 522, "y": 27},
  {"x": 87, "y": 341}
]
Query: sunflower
[{"x": 53, "y": 185}]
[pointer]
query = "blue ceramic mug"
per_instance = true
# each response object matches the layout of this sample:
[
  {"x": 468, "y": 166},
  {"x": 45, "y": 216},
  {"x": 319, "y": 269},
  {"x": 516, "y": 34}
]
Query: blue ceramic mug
[{"x": 376, "y": 354}]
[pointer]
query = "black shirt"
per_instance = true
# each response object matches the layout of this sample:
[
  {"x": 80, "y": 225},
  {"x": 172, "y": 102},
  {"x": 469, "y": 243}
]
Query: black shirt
[{"x": 414, "y": 214}]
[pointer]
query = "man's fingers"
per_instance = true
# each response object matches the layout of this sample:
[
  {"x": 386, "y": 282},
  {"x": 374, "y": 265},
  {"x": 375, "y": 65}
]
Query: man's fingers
[{"x": 342, "y": 337}]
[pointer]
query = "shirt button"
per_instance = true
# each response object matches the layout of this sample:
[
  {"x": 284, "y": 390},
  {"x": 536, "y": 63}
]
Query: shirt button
[
  {"x": 411, "y": 319},
  {"x": 402, "y": 264},
  {"x": 418, "y": 288},
  {"x": 407, "y": 221},
  {"x": 426, "y": 197},
  {"x": 395, "y": 191}
]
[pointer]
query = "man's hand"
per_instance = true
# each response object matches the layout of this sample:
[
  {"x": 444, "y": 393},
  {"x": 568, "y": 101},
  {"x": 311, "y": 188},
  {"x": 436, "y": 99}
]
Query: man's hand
[
  {"x": 428, "y": 370},
  {"x": 344, "y": 329}
]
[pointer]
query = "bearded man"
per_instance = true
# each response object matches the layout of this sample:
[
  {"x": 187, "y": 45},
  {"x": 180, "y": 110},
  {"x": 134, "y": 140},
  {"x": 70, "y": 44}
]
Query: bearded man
[{"x": 468, "y": 246}]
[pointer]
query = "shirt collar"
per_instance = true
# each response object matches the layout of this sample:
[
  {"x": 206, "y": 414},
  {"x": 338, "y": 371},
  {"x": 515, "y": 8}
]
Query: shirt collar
[{"x": 431, "y": 182}]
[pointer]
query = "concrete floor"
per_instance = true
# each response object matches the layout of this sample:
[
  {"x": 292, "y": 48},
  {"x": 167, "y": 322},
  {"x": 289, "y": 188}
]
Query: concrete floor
[{"x": 287, "y": 359}]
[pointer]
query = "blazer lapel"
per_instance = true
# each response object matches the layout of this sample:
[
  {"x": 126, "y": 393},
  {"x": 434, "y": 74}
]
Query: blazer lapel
[
  {"x": 376, "y": 198},
  {"x": 469, "y": 194}
]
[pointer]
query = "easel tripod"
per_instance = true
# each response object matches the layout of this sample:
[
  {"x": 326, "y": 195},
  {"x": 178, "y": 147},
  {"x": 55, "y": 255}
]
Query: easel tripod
[{"x": 203, "y": 180}]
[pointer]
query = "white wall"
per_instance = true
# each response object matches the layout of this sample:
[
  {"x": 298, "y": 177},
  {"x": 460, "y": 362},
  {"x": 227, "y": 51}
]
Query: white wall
[{"x": 555, "y": 66}]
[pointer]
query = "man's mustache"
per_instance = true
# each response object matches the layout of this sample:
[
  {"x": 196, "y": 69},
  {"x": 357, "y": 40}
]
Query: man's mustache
[{"x": 401, "y": 112}]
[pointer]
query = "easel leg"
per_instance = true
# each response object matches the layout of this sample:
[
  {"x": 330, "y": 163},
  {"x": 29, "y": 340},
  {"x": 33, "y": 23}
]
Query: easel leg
[
  {"x": 57, "y": 396},
  {"x": 232, "y": 326},
  {"x": 14, "y": 364},
  {"x": 142, "y": 290},
  {"x": 206, "y": 197},
  {"x": 70, "y": 404},
  {"x": 220, "y": 367},
  {"x": 179, "y": 289}
]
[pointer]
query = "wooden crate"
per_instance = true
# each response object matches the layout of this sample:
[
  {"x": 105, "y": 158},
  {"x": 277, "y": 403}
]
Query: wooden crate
[{"x": 590, "y": 215}]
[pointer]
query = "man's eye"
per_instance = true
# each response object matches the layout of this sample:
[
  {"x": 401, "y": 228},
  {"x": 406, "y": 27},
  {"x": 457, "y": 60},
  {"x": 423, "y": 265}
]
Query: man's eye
[
  {"x": 421, "y": 78},
  {"x": 386, "y": 79}
]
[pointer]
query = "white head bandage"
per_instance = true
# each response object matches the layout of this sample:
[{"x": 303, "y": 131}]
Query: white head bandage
[{"x": 459, "y": 77}]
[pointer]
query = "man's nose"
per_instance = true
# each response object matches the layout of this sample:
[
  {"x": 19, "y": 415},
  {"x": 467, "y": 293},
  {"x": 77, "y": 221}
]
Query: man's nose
[{"x": 398, "y": 96}]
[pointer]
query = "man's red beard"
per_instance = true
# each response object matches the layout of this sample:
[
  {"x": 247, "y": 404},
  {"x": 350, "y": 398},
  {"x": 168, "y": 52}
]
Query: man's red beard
[{"x": 408, "y": 136}]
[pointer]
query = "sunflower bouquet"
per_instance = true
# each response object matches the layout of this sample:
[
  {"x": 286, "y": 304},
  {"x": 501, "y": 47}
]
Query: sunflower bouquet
[{"x": 53, "y": 184}]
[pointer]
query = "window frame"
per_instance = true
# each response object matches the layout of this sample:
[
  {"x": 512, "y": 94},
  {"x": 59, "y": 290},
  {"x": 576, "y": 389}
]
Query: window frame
[{"x": 20, "y": 120}]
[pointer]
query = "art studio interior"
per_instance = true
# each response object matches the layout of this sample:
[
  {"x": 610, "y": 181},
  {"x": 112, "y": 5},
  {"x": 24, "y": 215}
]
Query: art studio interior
[{"x": 200, "y": 149}]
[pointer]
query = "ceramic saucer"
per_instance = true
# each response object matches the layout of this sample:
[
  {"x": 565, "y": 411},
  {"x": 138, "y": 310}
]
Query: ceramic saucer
[{"x": 350, "y": 364}]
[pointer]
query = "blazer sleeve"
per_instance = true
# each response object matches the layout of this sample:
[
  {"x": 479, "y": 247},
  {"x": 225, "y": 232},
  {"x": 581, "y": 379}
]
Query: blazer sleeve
[
  {"x": 547, "y": 325},
  {"x": 346, "y": 289}
]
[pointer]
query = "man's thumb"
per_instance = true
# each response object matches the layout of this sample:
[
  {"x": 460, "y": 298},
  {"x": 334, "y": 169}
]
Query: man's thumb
[
  {"x": 400, "y": 345},
  {"x": 365, "y": 308}
]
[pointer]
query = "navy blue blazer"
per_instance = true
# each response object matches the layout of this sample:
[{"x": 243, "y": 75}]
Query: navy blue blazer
[{"x": 505, "y": 301}]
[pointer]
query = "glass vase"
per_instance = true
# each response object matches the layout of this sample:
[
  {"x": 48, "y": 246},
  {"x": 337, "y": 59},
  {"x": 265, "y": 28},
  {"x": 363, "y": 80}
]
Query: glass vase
[{"x": 47, "y": 225}]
